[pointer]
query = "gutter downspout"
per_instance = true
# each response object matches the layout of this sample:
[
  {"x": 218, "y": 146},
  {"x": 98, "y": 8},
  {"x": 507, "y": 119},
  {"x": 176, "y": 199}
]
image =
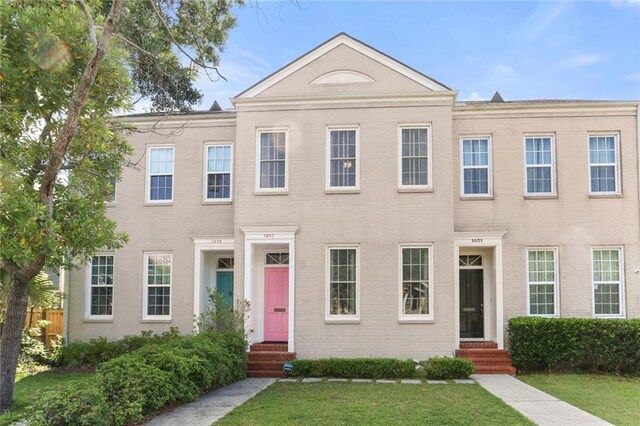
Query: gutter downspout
[{"x": 67, "y": 288}]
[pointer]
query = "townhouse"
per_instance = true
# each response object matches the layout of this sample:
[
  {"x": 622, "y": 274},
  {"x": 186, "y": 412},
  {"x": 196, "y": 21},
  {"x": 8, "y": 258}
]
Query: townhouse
[{"x": 362, "y": 210}]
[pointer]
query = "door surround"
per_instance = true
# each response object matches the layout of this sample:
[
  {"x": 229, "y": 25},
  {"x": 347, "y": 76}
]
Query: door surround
[
  {"x": 204, "y": 244},
  {"x": 465, "y": 242},
  {"x": 258, "y": 240}
]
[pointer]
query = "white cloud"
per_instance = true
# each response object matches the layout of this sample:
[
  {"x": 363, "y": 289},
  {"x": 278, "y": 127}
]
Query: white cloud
[
  {"x": 625, "y": 3},
  {"x": 475, "y": 96},
  {"x": 633, "y": 76},
  {"x": 579, "y": 60},
  {"x": 540, "y": 19},
  {"x": 503, "y": 69}
]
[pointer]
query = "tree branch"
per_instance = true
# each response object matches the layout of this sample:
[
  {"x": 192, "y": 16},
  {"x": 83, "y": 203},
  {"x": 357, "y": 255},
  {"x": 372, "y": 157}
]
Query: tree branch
[{"x": 91, "y": 24}]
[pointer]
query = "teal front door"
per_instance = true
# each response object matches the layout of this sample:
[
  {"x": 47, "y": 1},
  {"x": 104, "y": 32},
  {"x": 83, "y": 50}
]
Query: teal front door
[{"x": 224, "y": 284}]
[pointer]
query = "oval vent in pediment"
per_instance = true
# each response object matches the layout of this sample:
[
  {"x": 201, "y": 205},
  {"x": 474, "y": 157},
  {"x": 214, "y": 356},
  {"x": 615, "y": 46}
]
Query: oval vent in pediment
[{"x": 343, "y": 77}]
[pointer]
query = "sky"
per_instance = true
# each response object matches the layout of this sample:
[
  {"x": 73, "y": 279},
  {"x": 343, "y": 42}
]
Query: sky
[{"x": 524, "y": 49}]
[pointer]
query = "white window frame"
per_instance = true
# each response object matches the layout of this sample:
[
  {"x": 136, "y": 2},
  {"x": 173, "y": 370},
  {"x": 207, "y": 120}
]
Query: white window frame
[
  {"x": 429, "y": 185},
  {"x": 552, "y": 165},
  {"x": 556, "y": 283},
  {"x": 489, "y": 166},
  {"x": 616, "y": 165},
  {"x": 147, "y": 190},
  {"x": 88, "y": 287},
  {"x": 206, "y": 174},
  {"x": 621, "y": 295},
  {"x": 341, "y": 318},
  {"x": 145, "y": 286},
  {"x": 413, "y": 318},
  {"x": 343, "y": 189},
  {"x": 115, "y": 193},
  {"x": 259, "y": 132}
]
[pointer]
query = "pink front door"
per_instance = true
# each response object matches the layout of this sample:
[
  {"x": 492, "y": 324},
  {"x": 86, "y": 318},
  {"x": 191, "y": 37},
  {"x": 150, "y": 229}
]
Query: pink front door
[{"x": 276, "y": 304}]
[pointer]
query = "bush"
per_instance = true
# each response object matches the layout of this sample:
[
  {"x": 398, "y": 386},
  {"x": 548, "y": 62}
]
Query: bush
[
  {"x": 448, "y": 368},
  {"x": 99, "y": 350},
  {"x": 354, "y": 368},
  {"x": 73, "y": 404},
  {"x": 134, "y": 385},
  {"x": 573, "y": 344}
]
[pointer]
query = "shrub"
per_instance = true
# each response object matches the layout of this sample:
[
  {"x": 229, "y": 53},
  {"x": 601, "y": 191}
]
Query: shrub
[
  {"x": 354, "y": 368},
  {"x": 570, "y": 344},
  {"x": 448, "y": 368},
  {"x": 99, "y": 350},
  {"x": 78, "y": 404}
]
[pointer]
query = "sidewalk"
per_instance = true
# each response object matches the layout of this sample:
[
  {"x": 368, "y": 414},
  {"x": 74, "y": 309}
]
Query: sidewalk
[
  {"x": 543, "y": 409},
  {"x": 213, "y": 406}
]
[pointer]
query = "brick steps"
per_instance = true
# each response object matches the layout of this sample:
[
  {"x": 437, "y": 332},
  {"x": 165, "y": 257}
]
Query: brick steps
[
  {"x": 267, "y": 359},
  {"x": 486, "y": 357}
]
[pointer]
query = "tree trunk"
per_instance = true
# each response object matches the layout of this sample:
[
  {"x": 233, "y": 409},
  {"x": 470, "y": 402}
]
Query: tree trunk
[{"x": 11, "y": 335}]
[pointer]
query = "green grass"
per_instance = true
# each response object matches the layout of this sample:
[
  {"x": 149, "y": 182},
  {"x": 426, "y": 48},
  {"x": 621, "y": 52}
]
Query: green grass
[
  {"x": 615, "y": 399},
  {"x": 27, "y": 389},
  {"x": 373, "y": 403}
]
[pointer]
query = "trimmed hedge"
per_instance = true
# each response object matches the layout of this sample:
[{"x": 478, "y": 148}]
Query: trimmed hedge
[
  {"x": 570, "y": 344},
  {"x": 98, "y": 350},
  {"x": 448, "y": 368},
  {"x": 131, "y": 386},
  {"x": 354, "y": 368}
]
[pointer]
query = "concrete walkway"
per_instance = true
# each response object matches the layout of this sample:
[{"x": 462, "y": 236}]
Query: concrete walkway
[
  {"x": 543, "y": 409},
  {"x": 213, "y": 406}
]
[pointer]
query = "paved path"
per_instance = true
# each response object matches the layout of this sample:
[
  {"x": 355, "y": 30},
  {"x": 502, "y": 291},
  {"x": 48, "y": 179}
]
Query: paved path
[
  {"x": 543, "y": 409},
  {"x": 213, "y": 406}
]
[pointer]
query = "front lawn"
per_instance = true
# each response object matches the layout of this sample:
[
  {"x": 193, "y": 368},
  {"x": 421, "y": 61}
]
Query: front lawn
[
  {"x": 615, "y": 399},
  {"x": 28, "y": 388},
  {"x": 373, "y": 403}
]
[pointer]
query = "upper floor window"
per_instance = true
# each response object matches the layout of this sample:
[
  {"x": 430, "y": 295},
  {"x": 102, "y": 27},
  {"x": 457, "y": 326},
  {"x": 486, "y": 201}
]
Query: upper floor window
[
  {"x": 218, "y": 173},
  {"x": 476, "y": 167},
  {"x": 160, "y": 174},
  {"x": 539, "y": 165},
  {"x": 603, "y": 164},
  {"x": 111, "y": 194},
  {"x": 415, "y": 157},
  {"x": 416, "y": 301},
  {"x": 100, "y": 287},
  {"x": 607, "y": 282},
  {"x": 157, "y": 288},
  {"x": 342, "y": 162},
  {"x": 542, "y": 282},
  {"x": 272, "y": 161},
  {"x": 342, "y": 285}
]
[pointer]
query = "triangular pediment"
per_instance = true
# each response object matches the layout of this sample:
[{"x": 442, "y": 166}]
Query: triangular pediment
[{"x": 343, "y": 66}]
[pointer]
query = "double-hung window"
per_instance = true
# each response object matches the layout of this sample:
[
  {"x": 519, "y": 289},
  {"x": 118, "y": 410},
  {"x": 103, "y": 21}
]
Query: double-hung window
[
  {"x": 160, "y": 174},
  {"x": 100, "y": 289},
  {"x": 608, "y": 289},
  {"x": 342, "y": 161},
  {"x": 604, "y": 173},
  {"x": 157, "y": 286},
  {"x": 343, "y": 283},
  {"x": 111, "y": 191},
  {"x": 476, "y": 167},
  {"x": 272, "y": 161},
  {"x": 416, "y": 284},
  {"x": 542, "y": 281},
  {"x": 415, "y": 157},
  {"x": 218, "y": 173},
  {"x": 539, "y": 165}
]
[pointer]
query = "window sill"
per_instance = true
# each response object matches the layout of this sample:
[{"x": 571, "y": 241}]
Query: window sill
[
  {"x": 477, "y": 198},
  {"x": 541, "y": 197},
  {"x": 332, "y": 191},
  {"x": 98, "y": 320},
  {"x": 342, "y": 320},
  {"x": 109, "y": 204},
  {"x": 612, "y": 317},
  {"x": 216, "y": 202},
  {"x": 155, "y": 321},
  {"x": 605, "y": 195},
  {"x": 416, "y": 321},
  {"x": 281, "y": 192},
  {"x": 406, "y": 189},
  {"x": 167, "y": 204}
]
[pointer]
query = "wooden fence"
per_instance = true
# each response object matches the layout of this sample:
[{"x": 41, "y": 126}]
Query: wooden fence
[{"x": 56, "y": 323}]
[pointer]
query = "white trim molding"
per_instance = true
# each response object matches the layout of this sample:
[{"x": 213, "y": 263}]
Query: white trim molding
[
  {"x": 336, "y": 318},
  {"x": 201, "y": 245},
  {"x": 619, "y": 282},
  {"x": 329, "y": 189},
  {"x": 342, "y": 77},
  {"x": 416, "y": 188},
  {"x": 206, "y": 173},
  {"x": 416, "y": 318},
  {"x": 258, "y": 237},
  {"x": 258, "y": 168},
  {"x": 145, "y": 287},
  {"x": 556, "y": 281},
  {"x": 147, "y": 180},
  {"x": 488, "y": 166},
  {"x": 88, "y": 287}
]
